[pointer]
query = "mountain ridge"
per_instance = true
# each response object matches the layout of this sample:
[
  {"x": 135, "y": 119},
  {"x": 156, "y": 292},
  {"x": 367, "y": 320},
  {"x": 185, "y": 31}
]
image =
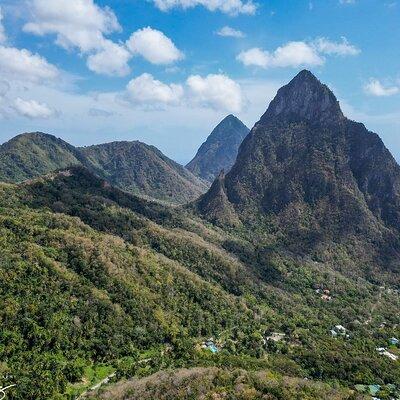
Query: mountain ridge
[{"x": 134, "y": 166}]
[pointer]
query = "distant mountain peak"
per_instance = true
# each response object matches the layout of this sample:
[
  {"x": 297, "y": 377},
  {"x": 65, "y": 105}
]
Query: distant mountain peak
[
  {"x": 304, "y": 98},
  {"x": 220, "y": 149}
]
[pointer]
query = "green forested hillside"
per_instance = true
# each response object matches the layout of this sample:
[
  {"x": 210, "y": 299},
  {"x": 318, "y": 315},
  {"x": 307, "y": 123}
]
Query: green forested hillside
[
  {"x": 144, "y": 170},
  {"x": 213, "y": 383},
  {"x": 132, "y": 166},
  {"x": 33, "y": 154},
  {"x": 93, "y": 276}
]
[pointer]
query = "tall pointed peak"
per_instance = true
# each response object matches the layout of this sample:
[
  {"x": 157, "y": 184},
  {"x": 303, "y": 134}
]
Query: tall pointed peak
[
  {"x": 229, "y": 120},
  {"x": 304, "y": 98}
]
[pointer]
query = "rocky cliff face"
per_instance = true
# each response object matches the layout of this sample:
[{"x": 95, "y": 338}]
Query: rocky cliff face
[
  {"x": 319, "y": 178},
  {"x": 220, "y": 149}
]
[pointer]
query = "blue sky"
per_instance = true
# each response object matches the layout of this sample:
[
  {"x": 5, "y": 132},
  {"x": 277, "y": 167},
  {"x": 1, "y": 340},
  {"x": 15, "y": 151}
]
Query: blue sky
[{"x": 167, "y": 71}]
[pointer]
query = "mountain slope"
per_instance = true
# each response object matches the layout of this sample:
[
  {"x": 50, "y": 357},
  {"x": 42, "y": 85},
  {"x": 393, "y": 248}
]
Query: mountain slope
[
  {"x": 33, "y": 154},
  {"x": 131, "y": 166},
  {"x": 325, "y": 183},
  {"x": 220, "y": 149},
  {"x": 142, "y": 169},
  {"x": 92, "y": 275}
]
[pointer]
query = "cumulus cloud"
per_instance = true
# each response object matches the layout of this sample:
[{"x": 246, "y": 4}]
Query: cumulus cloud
[
  {"x": 153, "y": 46},
  {"x": 343, "y": 48},
  {"x": 292, "y": 54},
  {"x": 76, "y": 23},
  {"x": 112, "y": 60},
  {"x": 32, "y": 109},
  {"x": 232, "y": 7},
  {"x": 82, "y": 25},
  {"x": 297, "y": 54},
  {"x": 23, "y": 65},
  {"x": 147, "y": 91},
  {"x": 254, "y": 57},
  {"x": 227, "y": 31},
  {"x": 375, "y": 88},
  {"x": 215, "y": 91}
]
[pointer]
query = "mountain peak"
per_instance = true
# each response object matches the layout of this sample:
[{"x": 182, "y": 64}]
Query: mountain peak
[
  {"x": 304, "y": 98},
  {"x": 220, "y": 149}
]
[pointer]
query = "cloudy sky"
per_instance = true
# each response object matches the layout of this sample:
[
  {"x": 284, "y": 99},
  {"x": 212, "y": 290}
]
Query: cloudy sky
[{"x": 167, "y": 71}]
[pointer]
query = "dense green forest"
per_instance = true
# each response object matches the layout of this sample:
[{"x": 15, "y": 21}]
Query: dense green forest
[{"x": 97, "y": 281}]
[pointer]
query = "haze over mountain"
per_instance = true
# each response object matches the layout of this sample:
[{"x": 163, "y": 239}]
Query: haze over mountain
[
  {"x": 220, "y": 149},
  {"x": 132, "y": 166},
  {"x": 325, "y": 183}
]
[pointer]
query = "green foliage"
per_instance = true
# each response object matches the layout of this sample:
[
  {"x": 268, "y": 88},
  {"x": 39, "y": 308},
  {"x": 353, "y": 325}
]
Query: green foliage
[
  {"x": 113, "y": 277},
  {"x": 132, "y": 166}
]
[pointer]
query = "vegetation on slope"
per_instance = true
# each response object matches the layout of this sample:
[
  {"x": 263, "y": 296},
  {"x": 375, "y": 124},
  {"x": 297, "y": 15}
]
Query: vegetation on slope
[
  {"x": 33, "y": 154},
  {"x": 132, "y": 166},
  {"x": 220, "y": 384},
  {"x": 141, "y": 169},
  {"x": 115, "y": 280}
]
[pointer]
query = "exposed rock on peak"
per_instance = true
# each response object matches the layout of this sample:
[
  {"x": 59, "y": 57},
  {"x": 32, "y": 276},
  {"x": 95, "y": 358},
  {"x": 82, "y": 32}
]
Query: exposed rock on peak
[
  {"x": 326, "y": 183},
  {"x": 304, "y": 98},
  {"x": 220, "y": 149}
]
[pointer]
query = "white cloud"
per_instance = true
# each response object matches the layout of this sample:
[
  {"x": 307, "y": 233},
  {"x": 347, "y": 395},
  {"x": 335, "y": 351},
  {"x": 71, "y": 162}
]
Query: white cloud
[
  {"x": 3, "y": 37},
  {"x": 215, "y": 91},
  {"x": 297, "y": 54},
  {"x": 82, "y": 25},
  {"x": 292, "y": 54},
  {"x": 147, "y": 91},
  {"x": 32, "y": 109},
  {"x": 227, "y": 31},
  {"x": 112, "y": 60},
  {"x": 347, "y": 1},
  {"x": 376, "y": 88},
  {"x": 25, "y": 66},
  {"x": 343, "y": 48},
  {"x": 154, "y": 46},
  {"x": 255, "y": 57},
  {"x": 232, "y": 7},
  {"x": 76, "y": 23}
]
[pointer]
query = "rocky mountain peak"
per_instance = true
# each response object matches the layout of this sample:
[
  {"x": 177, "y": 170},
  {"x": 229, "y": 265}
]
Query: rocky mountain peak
[
  {"x": 220, "y": 149},
  {"x": 304, "y": 98}
]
